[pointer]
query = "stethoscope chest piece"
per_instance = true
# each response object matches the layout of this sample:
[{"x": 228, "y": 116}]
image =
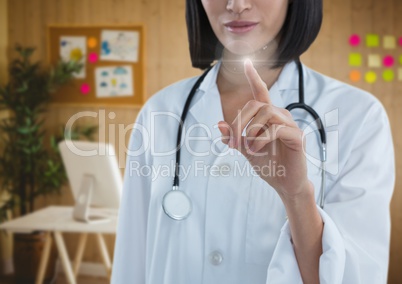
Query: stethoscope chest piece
[{"x": 176, "y": 204}]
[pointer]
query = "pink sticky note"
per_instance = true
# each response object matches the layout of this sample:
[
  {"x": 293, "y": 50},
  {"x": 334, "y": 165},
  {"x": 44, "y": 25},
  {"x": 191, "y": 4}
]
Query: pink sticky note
[
  {"x": 93, "y": 57},
  {"x": 388, "y": 61},
  {"x": 400, "y": 41},
  {"x": 354, "y": 40},
  {"x": 85, "y": 89}
]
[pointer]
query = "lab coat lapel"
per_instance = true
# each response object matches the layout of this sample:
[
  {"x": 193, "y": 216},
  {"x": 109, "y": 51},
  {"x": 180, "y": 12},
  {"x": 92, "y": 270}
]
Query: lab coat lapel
[{"x": 207, "y": 109}]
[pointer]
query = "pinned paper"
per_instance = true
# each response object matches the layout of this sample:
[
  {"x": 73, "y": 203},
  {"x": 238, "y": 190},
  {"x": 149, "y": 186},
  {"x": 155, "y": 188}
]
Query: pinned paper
[
  {"x": 355, "y": 76},
  {"x": 74, "y": 48},
  {"x": 92, "y": 42},
  {"x": 372, "y": 40},
  {"x": 354, "y": 40},
  {"x": 114, "y": 81},
  {"x": 85, "y": 89},
  {"x": 399, "y": 74},
  {"x": 120, "y": 45},
  {"x": 370, "y": 77},
  {"x": 388, "y": 61},
  {"x": 389, "y": 42},
  {"x": 374, "y": 61},
  {"x": 355, "y": 59},
  {"x": 388, "y": 75}
]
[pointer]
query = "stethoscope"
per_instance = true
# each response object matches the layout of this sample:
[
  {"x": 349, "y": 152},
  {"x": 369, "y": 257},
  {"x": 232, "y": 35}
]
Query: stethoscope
[{"x": 177, "y": 205}]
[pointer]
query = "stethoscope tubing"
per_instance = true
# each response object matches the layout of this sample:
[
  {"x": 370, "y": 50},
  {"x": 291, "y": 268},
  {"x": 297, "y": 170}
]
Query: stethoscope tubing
[{"x": 298, "y": 105}]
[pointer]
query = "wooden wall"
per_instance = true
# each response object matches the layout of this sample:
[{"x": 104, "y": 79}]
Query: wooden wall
[
  {"x": 168, "y": 61},
  {"x": 3, "y": 40}
]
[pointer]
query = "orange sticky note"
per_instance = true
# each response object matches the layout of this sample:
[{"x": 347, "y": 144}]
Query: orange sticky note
[
  {"x": 92, "y": 42},
  {"x": 355, "y": 76}
]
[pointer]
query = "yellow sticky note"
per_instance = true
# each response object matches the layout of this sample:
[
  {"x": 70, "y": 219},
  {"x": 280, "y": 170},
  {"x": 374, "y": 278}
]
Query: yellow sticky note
[
  {"x": 399, "y": 74},
  {"x": 355, "y": 59},
  {"x": 370, "y": 77},
  {"x": 372, "y": 40},
  {"x": 389, "y": 42},
  {"x": 374, "y": 61}
]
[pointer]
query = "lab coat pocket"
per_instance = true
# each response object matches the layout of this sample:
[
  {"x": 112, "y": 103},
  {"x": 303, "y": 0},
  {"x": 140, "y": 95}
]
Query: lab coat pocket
[{"x": 265, "y": 218}]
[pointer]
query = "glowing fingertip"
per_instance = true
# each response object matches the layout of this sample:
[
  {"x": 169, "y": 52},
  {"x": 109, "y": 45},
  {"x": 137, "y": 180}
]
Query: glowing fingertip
[{"x": 248, "y": 61}]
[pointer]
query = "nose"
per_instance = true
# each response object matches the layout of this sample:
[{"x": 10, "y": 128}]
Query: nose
[{"x": 238, "y": 6}]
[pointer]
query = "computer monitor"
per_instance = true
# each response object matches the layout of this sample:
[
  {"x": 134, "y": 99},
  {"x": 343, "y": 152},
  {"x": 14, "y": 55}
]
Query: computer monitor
[{"x": 94, "y": 177}]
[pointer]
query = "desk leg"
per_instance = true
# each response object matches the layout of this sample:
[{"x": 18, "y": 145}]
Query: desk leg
[
  {"x": 64, "y": 257},
  {"x": 44, "y": 259},
  {"x": 104, "y": 253},
  {"x": 80, "y": 250}
]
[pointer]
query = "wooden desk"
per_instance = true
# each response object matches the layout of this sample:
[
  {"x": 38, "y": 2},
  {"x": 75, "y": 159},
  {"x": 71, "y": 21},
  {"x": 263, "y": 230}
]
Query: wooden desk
[{"x": 56, "y": 220}]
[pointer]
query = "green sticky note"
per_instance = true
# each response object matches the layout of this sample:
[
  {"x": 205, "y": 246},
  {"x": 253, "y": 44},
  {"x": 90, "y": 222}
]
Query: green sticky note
[
  {"x": 400, "y": 59},
  {"x": 355, "y": 59},
  {"x": 388, "y": 75},
  {"x": 372, "y": 40}
]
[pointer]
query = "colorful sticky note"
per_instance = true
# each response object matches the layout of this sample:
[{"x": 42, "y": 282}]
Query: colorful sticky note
[
  {"x": 400, "y": 59},
  {"x": 388, "y": 61},
  {"x": 355, "y": 76},
  {"x": 372, "y": 40},
  {"x": 400, "y": 41},
  {"x": 92, "y": 42},
  {"x": 354, "y": 40},
  {"x": 370, "y": 77},
  {"x": 93, "y": 57},
  {"x": 374, "y": 61},
  {"x": 388, "y": 75},
  {"x": 355, "y": 59},
  {"x": 389, "y": 42},
  {"x": 399, "y": 74},
  {"x": 85, "y": 89}
]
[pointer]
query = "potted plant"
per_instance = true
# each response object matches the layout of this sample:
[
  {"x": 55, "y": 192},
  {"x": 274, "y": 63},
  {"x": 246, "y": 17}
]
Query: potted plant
[{"x": 29, "y": 167}]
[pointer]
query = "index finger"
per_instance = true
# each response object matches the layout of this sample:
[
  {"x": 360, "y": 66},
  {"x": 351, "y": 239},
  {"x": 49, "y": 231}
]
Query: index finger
[{"x": 258, "y": 86}]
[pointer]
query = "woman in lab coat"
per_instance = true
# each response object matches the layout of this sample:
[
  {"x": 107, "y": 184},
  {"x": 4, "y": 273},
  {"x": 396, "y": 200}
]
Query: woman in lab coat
[{"x": 254, "y": 218}]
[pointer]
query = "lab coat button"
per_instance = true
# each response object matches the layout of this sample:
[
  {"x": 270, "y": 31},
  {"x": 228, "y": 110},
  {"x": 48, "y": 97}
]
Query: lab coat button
[{"x": 215, "y": 258}]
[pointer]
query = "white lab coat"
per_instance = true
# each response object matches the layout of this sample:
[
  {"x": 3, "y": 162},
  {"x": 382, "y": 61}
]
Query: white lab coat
[{"x": 237, "y": 231}]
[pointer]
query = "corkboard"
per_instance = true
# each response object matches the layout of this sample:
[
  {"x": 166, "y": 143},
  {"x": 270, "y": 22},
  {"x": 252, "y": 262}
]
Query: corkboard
[{"x": 71, "y": 93}]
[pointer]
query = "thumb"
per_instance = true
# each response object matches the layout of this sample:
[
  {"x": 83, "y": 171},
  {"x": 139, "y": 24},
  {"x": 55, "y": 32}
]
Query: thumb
[
  {"x": 226, "y": 132},
  {"x": 224, "y": 128}
]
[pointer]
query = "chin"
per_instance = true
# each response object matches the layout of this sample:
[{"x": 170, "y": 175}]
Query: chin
[{"x": 240, "y": 47}]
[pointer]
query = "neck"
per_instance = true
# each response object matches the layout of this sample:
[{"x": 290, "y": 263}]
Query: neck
[{"x": 231, "y": 78}]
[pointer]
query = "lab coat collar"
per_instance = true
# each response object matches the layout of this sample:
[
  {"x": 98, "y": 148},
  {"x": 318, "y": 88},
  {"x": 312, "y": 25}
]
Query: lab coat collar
[
  {"x": 289, "y": 77},
  {"x": 207, "y": 108}
]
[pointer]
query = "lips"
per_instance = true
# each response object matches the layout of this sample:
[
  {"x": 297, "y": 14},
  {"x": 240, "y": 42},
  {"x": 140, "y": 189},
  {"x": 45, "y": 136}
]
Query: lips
[{"x": 239, "y": 27}]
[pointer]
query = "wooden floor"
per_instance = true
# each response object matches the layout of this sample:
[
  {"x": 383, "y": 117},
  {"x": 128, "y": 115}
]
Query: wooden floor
[{"x": 62, "y": 280}]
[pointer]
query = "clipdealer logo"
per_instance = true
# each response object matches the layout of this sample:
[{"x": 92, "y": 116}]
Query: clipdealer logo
[{"x": 147, "y": 139}]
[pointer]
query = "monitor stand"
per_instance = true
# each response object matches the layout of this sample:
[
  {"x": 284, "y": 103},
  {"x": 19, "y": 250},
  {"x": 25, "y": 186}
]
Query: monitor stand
[{"x": 82, "y": 204}]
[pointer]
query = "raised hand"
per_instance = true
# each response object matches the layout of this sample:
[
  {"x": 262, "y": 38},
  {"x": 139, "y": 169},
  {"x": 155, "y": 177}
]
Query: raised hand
[{"x": 272, "y": 138}]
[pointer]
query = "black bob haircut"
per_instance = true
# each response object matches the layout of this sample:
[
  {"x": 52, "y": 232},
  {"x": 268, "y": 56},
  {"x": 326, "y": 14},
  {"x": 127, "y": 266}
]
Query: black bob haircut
[{"x": 300, "y": 29}]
